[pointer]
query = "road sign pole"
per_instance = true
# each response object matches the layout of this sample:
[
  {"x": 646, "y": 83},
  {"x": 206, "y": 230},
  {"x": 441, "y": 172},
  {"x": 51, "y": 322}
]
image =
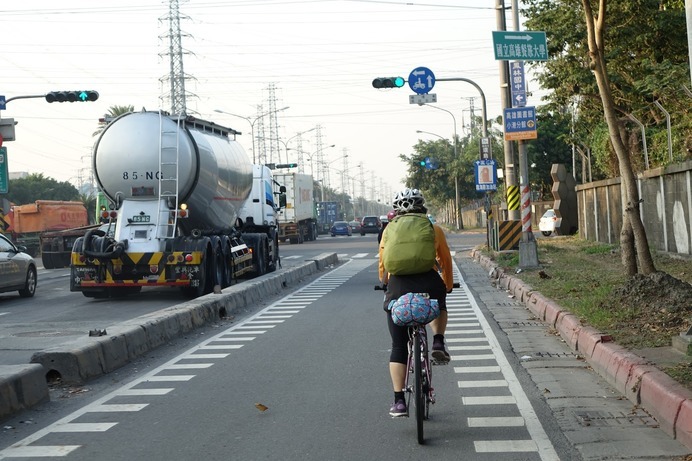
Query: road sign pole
[
  {"x": 528, "y": 251},
  {"x": 510, "y": 175}
]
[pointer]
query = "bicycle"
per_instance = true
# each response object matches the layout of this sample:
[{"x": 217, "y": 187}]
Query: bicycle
[{"x": 419, "y": 389}]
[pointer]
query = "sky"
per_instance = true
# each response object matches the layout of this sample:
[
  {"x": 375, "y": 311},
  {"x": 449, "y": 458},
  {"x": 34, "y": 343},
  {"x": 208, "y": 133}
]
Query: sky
[{"x": 320, "y": 56}]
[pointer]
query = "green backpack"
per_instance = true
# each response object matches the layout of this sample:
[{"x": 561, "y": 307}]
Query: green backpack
[{"x": 409, "y": 245}]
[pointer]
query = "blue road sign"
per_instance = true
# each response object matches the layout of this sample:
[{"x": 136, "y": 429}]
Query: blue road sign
[
  {"x": 421, "y": 80},
  {"x": 520, "y": 123},
  {"x": 3, "y": 101},
  {"x": 485, "y": 172},
  {"x": 4, "y": 175},
  {"x": 517, "y": 83},
  {"x": 520, "y": 46}
]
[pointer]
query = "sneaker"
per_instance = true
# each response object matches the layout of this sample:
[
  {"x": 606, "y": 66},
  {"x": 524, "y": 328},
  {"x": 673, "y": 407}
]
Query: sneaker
[
  {"x": 398, "y": 409},
  {"x": 439, "y": 353}
]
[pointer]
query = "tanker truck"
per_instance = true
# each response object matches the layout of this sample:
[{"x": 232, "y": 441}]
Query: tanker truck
[{"x": 175, "y": 186}]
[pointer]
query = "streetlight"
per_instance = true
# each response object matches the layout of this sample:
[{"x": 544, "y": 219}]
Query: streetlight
[
  {"x": 285, "y": 143},
  {"x": 312, "y": 173},
  {"x": 456, "y": 175},
  {"x": 252, "y": 122},
  {"x": 295, "y": 136},
  {"x": 325, "y": 167}
]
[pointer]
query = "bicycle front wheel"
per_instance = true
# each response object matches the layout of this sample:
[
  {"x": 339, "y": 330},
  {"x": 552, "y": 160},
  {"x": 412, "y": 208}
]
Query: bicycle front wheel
[{"x": 419, "y": 395}]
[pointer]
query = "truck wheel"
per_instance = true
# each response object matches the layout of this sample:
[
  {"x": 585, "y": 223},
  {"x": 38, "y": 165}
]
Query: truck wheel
[
  {"x": 47, "y": 259},
  {"x": 227, "y": 264},
  {"x": 261, "y": 262},
  {"x": 218, "y": 267},
  {"x": 273, "y": 261}
]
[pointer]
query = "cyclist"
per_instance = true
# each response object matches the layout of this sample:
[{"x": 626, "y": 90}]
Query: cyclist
[
  {"x": 437, "y": 284},
  {"x": 390, "y": 216}
]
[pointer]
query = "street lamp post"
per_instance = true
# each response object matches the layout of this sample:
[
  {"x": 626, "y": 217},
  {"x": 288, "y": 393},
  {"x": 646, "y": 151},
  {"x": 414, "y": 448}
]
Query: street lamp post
[
  {"x": 456, "y": 174},
  {"x": 285, "y": 143},
  {"x": 295, "y": 136},
  {"x": 325, "y": 166},
  {"x": 312, "y": 173},
  {"x": 252, "y": 122}
]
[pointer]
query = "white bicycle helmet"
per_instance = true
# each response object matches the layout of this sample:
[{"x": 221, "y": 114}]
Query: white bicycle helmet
[{"x": 408, "y": 200}]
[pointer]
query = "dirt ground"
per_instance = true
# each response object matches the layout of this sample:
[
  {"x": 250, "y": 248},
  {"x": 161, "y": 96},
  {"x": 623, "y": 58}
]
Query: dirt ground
[{"x": 660, "y": 303}]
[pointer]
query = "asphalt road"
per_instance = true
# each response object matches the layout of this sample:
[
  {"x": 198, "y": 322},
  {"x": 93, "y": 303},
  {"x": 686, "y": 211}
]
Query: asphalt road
[{"x": 304, "y": 377}]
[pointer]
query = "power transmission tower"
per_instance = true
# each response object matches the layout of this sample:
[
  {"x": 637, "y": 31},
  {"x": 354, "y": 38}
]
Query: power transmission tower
[
  {"x": 175, "y": 80},
  {"x": 273, "y": 125}
]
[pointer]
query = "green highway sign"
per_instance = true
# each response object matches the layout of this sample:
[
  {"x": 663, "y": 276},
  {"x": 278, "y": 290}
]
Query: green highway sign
[
  {"x": 520, "y": 45},
  {"x": 4, "y": 175}
]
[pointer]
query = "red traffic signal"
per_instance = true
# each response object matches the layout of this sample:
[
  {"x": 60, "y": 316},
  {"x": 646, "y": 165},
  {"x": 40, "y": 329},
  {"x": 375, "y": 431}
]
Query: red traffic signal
[{"x": 72, "y": 96}]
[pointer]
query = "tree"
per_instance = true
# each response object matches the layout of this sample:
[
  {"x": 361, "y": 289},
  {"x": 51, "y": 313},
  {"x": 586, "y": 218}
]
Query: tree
[
  {"x": 113, "y": 112},
  {"x": 646, "y": 50},
  {"x": 632, "y": 227},
  {"x": 549, "y": 148},
  {"x": 89, "y": 201},
  {"x": 38, "y": 187}
]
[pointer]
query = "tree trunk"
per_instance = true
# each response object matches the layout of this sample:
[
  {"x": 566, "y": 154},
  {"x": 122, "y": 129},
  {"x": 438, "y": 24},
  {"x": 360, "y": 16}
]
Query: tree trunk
[
  {"x": 631, "y": 216},
  {"x": 627, "y": 253}
]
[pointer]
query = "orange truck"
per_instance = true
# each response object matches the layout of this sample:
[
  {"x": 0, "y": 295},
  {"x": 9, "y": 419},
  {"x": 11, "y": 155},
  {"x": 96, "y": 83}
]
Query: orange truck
[{"x": 28, "y": 222}]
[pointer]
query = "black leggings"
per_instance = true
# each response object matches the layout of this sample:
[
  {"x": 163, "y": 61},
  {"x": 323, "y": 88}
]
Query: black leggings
[{"x": 431, "y": 283}]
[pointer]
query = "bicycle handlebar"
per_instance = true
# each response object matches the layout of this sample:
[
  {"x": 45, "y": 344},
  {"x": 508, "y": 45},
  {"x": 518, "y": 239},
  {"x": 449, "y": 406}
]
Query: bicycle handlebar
[{"x": 383, "y": 287}]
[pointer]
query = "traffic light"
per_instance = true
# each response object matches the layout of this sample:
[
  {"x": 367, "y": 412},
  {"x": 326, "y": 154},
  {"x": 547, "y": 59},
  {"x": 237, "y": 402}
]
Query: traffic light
[
  {"x": 388, "y": 82},
  {"x": 429, "y": 163},
  {"x": 72, "y": 96}
]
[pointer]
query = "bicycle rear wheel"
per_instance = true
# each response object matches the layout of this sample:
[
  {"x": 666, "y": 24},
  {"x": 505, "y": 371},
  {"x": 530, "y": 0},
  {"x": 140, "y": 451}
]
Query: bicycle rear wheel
[{"x": 419, "y": 395}]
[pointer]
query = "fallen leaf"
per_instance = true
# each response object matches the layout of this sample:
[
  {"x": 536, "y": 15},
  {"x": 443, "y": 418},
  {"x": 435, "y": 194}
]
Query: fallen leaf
[{"x": 261, "y": 407}]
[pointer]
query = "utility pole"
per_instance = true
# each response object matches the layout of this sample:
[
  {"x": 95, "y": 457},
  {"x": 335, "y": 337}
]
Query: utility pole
[
  {"x": 510, "y": 175},
  {"x": 528, "y": 251}
]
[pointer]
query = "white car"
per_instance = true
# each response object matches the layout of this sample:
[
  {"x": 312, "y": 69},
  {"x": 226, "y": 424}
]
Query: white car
[
  {"x": 548, "y": 222},
  {"x": 17, "y": 269}
]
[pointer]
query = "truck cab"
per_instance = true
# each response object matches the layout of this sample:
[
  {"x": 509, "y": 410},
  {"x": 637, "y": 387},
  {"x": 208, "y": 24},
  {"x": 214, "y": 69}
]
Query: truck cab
[{"x": 261, "y": 207}]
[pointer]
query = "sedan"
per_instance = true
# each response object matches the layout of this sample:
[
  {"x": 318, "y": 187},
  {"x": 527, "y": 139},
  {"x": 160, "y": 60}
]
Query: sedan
[
  {"x": 548, "y": 222},
  {"x": 17, "y": 269},
  {"x": 355, "y": 226},
  {"x": 341, "y": 228}
]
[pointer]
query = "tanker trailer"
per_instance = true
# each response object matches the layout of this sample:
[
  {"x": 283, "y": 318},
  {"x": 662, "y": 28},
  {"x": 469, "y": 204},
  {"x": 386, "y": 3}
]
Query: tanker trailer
[{"x": 175, "y": 185}]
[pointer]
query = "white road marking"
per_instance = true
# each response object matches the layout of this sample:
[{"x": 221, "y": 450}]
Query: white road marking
[{"x": 496, "y": 421}]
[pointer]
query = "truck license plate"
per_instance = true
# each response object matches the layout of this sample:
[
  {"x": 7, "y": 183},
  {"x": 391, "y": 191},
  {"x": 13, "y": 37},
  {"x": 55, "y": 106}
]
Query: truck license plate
[{"x": 141, "y": 218}]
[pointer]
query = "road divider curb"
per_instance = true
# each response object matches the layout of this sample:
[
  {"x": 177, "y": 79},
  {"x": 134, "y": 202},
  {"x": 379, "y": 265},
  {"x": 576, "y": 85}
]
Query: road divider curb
[
  {"x": 77, "y": 361},
  {"x": 21, "y": 386},
  {"x": 634, "y": 377}
]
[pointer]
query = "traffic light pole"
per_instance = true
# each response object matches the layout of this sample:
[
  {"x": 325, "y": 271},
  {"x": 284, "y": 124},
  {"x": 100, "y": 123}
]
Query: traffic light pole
[{"x": 484, "y": 132}]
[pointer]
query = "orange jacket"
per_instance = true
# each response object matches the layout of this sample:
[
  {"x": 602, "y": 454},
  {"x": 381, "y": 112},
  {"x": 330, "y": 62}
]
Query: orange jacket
[{"x": 443, "y": 256}]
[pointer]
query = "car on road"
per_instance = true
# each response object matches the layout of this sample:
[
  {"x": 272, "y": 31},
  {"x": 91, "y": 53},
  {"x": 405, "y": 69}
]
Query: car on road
[
  {"x": 370, "y": 225},
  {"x": 340, "y": 228},
  {"x": 548, "y": 222},
  {"x": 355, "y": 226},
  {"x": 17, "y": 269}
]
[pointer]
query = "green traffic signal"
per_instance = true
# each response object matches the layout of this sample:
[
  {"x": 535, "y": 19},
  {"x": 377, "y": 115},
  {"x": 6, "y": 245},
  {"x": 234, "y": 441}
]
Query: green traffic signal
[
  {"x": 72, "y": 96},
  {"x": 388, "y": 82}
]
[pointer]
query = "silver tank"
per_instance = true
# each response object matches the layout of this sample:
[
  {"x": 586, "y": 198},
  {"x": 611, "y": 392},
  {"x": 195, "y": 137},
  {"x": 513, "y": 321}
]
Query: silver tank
[{"x": 214, "y": 175}]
